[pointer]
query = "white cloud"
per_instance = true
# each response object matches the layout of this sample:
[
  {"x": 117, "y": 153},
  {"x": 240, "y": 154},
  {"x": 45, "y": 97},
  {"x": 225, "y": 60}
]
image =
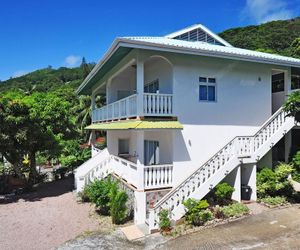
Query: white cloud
[
  {"x": 72, "y": 60},
  {"x": 19, "y": 73},
  {"x": 267, "y": 10}
]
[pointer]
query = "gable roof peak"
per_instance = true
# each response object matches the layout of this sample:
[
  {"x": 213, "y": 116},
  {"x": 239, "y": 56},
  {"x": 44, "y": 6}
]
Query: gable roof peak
[{"x": 195, "y": 27}]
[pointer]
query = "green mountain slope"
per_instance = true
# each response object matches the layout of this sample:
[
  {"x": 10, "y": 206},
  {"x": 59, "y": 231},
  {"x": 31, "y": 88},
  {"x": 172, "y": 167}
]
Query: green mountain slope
[
  {"x": 47, "y": 79},
  {"x": 273, "y": 37}
]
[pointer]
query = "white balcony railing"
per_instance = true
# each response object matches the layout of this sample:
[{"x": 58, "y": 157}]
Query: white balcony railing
[
  {"x": 158, "y": 104},
  {"x": 158, "y": 176},
  {"x": 155, "y": 176},
  {"x": 123, "y": 108},
  {"x": 153, "y": 105}
]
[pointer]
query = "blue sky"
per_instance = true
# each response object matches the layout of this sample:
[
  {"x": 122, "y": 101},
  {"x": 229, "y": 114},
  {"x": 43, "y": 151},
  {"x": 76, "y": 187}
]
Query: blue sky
[{"x": 38, "y": 33}]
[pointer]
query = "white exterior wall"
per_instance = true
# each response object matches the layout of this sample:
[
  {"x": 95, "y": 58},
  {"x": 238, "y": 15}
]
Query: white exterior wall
[
  {"x": 244, "y": 103},
  {"x": 158, "y": 68},
  {"x": 124, "y": 81},
  {"x": 113, "y": 140},
  {"x": 164, "y": 138},
  {"x": 278, "y": 99}
]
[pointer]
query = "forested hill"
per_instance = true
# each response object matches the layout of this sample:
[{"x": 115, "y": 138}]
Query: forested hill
[
  {"x": 278, "y": 37},
  {"x": 48, "y": 79}
]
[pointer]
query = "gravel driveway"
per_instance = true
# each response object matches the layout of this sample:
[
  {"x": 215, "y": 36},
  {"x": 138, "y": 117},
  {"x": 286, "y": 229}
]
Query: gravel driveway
[{"x": 44, "y": 219}]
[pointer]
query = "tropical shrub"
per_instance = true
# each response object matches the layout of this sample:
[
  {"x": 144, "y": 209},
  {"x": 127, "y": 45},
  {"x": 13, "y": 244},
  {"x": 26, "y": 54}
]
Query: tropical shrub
[
  {"x": 83, "y": 195},
  {"x": 164, "y": 220},
  {"x": 99, "y": 193},
  {"x": 235, "y": 210},
  {"x": 118, "y": 209},
  {"x": 283, "y": 185},
  {"x": 274, "y": 183},
  {"x": 296, "y": 161},
  {"x": 296, "y": 164},
  {"x": 223, "y": 193},
  {"x": 266, "y": 182},
  {"x": 274, "y": 201},
  {"x": 196, "y": 211},
  {"x": 282, "y": 171},
  {"x": 292, "y": 105}
]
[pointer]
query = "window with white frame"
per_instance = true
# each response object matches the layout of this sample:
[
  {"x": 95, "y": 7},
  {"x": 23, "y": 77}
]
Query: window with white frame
[
  {"x": 123, "y": 146},
  {"x": 152, "y": 87},
  {"x": 207, "y": 89}
]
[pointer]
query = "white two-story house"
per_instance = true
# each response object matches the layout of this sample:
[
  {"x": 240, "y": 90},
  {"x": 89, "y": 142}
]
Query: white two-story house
[{"x": 184, "y": 112}]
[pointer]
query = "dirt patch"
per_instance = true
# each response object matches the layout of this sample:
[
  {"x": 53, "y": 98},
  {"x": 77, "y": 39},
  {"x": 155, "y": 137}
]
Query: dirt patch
[{"x": 47, "y": 218}]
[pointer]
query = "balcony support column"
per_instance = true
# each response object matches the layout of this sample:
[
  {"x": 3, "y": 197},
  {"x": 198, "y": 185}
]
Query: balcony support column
[
  {"x": 140, "y": 195},
  {"x": 140, "y": 159},
  {"x": 140, "y": 85}
]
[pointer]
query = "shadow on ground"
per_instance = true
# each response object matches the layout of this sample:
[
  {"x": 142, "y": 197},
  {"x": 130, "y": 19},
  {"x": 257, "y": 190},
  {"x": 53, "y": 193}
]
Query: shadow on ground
[{"x": 50, "y": 189}]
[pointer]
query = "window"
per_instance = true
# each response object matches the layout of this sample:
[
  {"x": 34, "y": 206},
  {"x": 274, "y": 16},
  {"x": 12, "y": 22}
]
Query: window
[
  {"x": 207, "y": 89},
  {"x": 123, "y": 146},
  {"x": 278, "y": 83},
  {"x": 295, "y": 78},
  {"x": 152, "y": 87}
]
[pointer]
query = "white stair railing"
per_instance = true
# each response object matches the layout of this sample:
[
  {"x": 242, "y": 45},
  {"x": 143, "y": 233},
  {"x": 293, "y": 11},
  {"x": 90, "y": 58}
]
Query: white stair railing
[
  {"x": 240, "y": 147},
  {"x": 96, "y": 167}
]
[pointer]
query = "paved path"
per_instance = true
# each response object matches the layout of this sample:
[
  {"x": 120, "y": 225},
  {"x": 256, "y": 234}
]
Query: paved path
[
  {"x": 44, "y": 219},
  {"x": 272, "y": 229}
]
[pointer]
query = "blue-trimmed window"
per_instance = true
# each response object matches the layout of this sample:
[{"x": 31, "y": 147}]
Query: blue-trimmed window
[{"x": 207, "y": 89}]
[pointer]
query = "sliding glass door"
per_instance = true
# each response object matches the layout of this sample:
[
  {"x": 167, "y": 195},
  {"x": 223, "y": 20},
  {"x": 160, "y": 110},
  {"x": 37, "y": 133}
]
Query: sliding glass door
[{"x": 151, "y": 152}]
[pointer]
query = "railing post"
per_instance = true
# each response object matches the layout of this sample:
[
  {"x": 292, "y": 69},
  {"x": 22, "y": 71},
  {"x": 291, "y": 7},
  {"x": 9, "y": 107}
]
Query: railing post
[{"x": 151, "y": 220}]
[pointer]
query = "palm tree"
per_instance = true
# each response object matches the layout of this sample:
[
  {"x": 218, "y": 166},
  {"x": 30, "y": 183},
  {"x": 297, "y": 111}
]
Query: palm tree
[{"x": 84, "y": 112}]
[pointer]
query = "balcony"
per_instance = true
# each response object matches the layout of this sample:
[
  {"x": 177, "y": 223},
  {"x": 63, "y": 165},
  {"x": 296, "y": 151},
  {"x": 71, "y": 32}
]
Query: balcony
[
  {"x": 154, "y": 176},
  {"x": 153, "y": 105}
]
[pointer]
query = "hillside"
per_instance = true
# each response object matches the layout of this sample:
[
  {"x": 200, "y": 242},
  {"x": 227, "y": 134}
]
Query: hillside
[
  {"x": 47, "y": 79},
  {"x": 273, "y": 37}
]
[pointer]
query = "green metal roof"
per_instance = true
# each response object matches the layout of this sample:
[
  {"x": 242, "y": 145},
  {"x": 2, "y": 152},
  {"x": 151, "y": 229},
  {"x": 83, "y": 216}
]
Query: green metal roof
[
  {"x": 143, "y": 125},
  {"x": 116, "y": 57}
]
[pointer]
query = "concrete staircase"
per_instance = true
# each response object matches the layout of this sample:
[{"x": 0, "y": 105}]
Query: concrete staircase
[
  {"x": 97, "y": 167},
  {"x": 240, "y": 150}
]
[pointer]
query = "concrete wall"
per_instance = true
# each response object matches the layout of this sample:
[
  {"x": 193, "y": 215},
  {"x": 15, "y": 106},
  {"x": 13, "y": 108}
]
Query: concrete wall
[
  {"x": 244, "y": 103},
  {"x": 278, "y": 99},
  {"x": 125, "y": 81},
  {"x": 157, "y": 68},
  {"x": 164, "y": 138}
]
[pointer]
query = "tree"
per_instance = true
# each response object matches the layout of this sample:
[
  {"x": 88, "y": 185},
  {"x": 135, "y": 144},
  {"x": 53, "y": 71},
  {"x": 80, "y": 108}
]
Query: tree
[
  {"x": 295, "y": 47},
  {"x": 83, "y": 112},
  {"x": 85, "y": 67},
  {"x": 31, "y": 124}
]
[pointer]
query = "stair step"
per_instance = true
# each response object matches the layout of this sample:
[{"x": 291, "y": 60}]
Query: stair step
[{"x": 133, "y": 232}]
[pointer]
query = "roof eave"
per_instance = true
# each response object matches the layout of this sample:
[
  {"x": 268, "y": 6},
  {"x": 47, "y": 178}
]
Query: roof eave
[
  {"x": 218, "y": 54},
  {"x": 115, "y": 45},
  {"x": 125, "y": 42}
]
